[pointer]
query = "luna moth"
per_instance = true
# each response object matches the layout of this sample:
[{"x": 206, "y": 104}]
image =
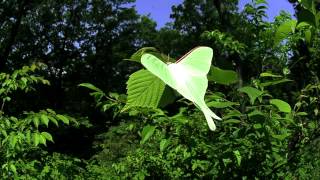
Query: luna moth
[{"x": 188, "y": 76}]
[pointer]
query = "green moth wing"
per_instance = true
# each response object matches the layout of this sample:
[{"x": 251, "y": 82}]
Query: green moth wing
[
  {"x": 158, "y": 68},
  {"x": 192, "y": 87},
  {"x": 188, "y": 76},
  {"x": 197, "y": 61}
]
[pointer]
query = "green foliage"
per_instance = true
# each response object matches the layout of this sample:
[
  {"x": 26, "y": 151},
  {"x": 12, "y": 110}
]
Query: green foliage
[
  {"x": 105, "y": 102},
  {"x": 284, "y": 31},
  {"x": 146, "y": 133},
  {"x": 50, "y": 166},
  {"x": 259, "y": 122},
  {"x": 183, "y": 142},
  {"x": 225, "y": 41},
  {"x": 19, "y": 80},
  {"x": 281, "y": 105},
  {"x": 221, "y": 76},
  {"x": 264, "y": 83},
  {"x": 253, "y": 93},
  {"x": 144, "y": 90},
  {"x": 137, "y": 55},
  {"x": 308, "y": 21},
  {"x": 175, "y": 146},
  {"x": 23, "y": 135}
]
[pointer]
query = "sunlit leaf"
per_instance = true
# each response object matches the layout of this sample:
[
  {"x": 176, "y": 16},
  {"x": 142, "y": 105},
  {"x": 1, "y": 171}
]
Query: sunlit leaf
[
  {"x": 281, "y": 105},
  {"x": 36, "y": 121},
  {"x": 238, "y": 157},
  {"x": 63, "y": 118},
  {"x": 268, "y": 74},
  {"x": 28, "y": 137},
  {"x": 164, "y": 144},
  {"x": 261, "y": 2},
  {"x": 253, "y": 93},
  {"x": 90, "y": 86},
  {"x": 47, "y": 136},
  {"x": 220, "y": 76},
  {"x": 36, "y": 139},
  {"x": 144, "y": 90},
  {"x": 257, "y": 126},
  {"x": 53, "y": 120},
  {"x": 13, "y": 168},
  {"x": 44, "y": 119},
  {"x": 147, "y": 132},
  {"x": 284, "y": 30},
  {"x": 42, "y": 140},
  {"x": 13, "y": 140}
]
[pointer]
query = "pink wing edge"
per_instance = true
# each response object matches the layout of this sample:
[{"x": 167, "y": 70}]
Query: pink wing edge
[{"x": 180, "y": 59}]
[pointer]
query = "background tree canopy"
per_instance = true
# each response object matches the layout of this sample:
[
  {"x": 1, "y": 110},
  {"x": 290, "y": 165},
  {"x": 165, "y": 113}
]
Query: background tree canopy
[{"x": 69, "y": 67}]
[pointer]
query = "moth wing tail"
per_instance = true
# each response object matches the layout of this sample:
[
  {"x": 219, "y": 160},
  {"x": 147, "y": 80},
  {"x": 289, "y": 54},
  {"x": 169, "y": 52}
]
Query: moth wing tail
[{"x": 209, "y": 115}]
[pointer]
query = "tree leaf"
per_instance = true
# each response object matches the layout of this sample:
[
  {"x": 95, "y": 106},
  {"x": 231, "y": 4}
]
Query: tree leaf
[
  {"x": 284, "y": 30},
  {"x": 168, "y": 97},
  {"x": 51, "y": 111},
  {"x": 3, "y": 132},
  {"x": 303, "y": 25},
  {"x": 47, "y": 136},
  {"x": 281, "y": 137},
  {"x": 164, "y": 144},
  {"x": 308, "y": 36},
  {"x": 28, "y": 137},
  {"x": 44, "y": 119},
  {"x": 274, "y": 82},
  {"x": 36, "y": 139},
  {"x": 42, "y": 140},
  {"x": 63, "y": 118},
  {"x": 13, "y": 168},
  {"x": 318, "y": 19},
  {"x": 257, "y": 115},
  {"x": 53, "y": 120},
  {"x": 307, "y": 16},
  {"x": 144, "y": 90},
  {"x": 253, "y": 93},
  {"x": 238, "y": 157},
  {"x": 147, "y": 132},
  {"x": 137, "y": 55},
  {"x": 232, "y": 114},
  {"x": 13, "y": 140},
  {"x": 220, "y": 76},
  {"x": 257, "y": 126},
  {"x": 90, "y": 86},
  {"x": 281, "y": 105},
  {"x": 36, "y": 121},
  {"x": 261, "y": 2},
  {"x": 307, "y": 4},
  {"x": 221, "y": 104},
  {"x": 268, "y": 74},
  {"x": 231, "y": 121}
]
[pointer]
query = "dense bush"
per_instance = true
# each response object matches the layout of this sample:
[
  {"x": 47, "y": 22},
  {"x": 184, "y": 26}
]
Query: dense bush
[{"x": 263, "y": 82}]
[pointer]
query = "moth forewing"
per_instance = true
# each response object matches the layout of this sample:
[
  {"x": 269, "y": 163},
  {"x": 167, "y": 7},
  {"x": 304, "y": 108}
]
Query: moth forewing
[{"x": 188, "y": 76}]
